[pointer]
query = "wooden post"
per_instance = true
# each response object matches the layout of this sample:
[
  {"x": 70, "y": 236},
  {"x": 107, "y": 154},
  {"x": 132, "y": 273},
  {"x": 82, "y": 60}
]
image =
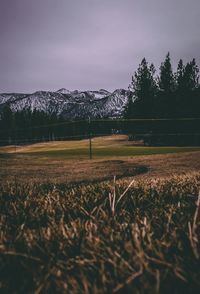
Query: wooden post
[{"x": 90, "y": 140}]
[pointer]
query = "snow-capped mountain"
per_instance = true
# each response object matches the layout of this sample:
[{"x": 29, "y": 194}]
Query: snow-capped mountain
[{"x": 70, "y": 104}]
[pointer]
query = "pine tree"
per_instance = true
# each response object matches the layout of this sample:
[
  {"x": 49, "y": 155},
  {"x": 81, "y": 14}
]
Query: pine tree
[
  {"x": 179, "y": 75},
  {"x": 166, "y": 80},
  {"x": 7, "y": 117},
  {"x": 187, "y": 84},
  {"x": 165, "y": 102},
  {"x": 143, "y": 89},
  {"x": 128, "y": 111},
  {"x": 191, "y": 78}
]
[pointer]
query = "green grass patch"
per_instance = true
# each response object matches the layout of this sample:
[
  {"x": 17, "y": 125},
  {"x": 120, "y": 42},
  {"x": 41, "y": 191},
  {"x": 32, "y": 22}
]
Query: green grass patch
[{"x": 109, "y": 152}]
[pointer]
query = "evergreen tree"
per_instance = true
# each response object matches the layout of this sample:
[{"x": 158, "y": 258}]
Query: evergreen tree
[
  {"x": 179, "y": 76},
  {"x": 143, "y": 89},
  {"x": 166, "y": 79},
  {"x": 128, "y": 111},
  {"x": 190, "y": 77},
  {"x": 165, "y": 102},
  {"x": 187, "y": 84},
  {"x": 7, "y": 125},
  {"x": 7, "y": 118}
]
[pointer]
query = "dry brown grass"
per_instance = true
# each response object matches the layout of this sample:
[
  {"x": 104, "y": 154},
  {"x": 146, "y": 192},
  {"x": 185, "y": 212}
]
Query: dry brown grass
[
  {"x": 35, "y": 163},
  {"x": 132, "y": 235},
  {"x": 43, "y": 169},
  {"x": 67, "y": 171},
  {"x": 62, "y": 239}
]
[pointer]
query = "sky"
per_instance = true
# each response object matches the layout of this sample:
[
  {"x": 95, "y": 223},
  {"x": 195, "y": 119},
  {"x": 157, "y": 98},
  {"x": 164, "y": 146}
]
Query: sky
[{"x": 91, "y": 44}]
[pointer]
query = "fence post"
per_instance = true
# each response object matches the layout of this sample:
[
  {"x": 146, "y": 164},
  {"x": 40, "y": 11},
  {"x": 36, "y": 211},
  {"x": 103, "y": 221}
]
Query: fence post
[{"x": 90, "y": 139}]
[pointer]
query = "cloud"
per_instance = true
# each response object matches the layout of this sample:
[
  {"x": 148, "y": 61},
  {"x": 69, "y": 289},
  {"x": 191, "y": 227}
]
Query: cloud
[{"x": 91, "y": 44}]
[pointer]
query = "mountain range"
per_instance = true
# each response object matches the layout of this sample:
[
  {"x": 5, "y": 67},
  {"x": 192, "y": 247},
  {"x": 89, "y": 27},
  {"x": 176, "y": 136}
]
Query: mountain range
[{"x": 70, "y": 104}]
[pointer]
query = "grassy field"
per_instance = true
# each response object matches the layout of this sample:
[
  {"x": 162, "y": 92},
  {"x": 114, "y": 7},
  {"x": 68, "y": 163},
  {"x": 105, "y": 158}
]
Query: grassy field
[
  {"x": 116, "y": 145},
  {"x": 64, "y": 162},
  {"x": 69, "y": 226}
]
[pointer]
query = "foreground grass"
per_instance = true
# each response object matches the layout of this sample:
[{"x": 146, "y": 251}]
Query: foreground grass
[{"x": 95, "y": 239}]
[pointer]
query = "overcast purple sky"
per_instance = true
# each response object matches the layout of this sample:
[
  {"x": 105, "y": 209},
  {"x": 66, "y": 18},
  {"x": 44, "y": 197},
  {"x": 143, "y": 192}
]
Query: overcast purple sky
[{"x": 91, "y": 44}]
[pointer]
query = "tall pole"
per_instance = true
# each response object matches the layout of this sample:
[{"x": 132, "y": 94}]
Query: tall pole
[
  {"x": 90, "y": 139},
  {"x": 15, "y": 136}
]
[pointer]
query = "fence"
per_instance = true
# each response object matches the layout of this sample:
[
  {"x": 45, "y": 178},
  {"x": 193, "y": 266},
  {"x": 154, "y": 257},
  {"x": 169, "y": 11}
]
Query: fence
[{"x": 151, "y": 131}]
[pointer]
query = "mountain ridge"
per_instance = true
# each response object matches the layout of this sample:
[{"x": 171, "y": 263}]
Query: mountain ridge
[{"x": 70, "y": 104}]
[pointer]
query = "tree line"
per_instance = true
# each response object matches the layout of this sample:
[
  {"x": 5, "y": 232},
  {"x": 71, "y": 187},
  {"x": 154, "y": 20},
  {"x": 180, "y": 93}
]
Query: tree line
[
  {"x": 167, "y": 95},
  {"x": 26, "y": 124}
]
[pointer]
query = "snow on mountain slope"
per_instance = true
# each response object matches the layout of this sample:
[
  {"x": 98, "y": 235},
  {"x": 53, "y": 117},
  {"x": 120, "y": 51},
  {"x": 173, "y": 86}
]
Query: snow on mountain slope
[
  {"x": 70, "y": 104},
  {"x": 45, "y": 101},
  {"x": 10, "y": 97},
  {"x": 63, "y": 91},
  {"x": 99, "y": 94}
]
